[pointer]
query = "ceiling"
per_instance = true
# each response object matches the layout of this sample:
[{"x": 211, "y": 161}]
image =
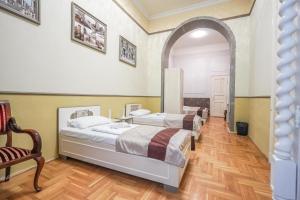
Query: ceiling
[
  {"x": 212, "y": 37},
  {"x": 155, "y": 16},
  {"x": 153, "y": 9}
]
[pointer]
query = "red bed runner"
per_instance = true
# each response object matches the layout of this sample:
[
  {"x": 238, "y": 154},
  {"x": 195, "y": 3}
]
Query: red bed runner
[
  {"x": 188, "y": 122},
  {"x": 157, "y": 148}
]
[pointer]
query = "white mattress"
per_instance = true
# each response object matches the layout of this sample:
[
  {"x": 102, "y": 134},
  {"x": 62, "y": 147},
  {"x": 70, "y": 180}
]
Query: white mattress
[
  {"x": 103, "y": 139},
  {"x": 150, "y": 119},
  {"x": 164, "y": 120}
]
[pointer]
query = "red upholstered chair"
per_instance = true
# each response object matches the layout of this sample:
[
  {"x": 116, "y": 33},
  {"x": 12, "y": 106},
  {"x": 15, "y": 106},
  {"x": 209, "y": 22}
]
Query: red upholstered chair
[{"x": 12, "y": 155}]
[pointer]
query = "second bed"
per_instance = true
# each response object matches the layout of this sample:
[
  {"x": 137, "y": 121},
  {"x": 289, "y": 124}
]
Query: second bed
[{"x": 183, "y": 121}]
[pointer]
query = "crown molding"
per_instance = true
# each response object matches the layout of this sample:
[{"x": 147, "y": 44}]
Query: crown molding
[
  {"x": 192, "y": 7},
  {"x": 131, "y": 17},
  {"x": 170, "y": 29},
  {"x": 141, "y": 8}
]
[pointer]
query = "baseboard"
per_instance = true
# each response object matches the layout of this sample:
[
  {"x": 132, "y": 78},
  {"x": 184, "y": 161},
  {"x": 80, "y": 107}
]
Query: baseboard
[
  {"x": 266, "y": 157},
  {"x": 26, "y": 169},
  {"x": 234, "y": 132}
]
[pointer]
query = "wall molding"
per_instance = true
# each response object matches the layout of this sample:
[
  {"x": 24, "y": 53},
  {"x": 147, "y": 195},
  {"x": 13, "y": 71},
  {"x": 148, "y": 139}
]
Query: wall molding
[
  {"x": 105, "y": 95},
  {"x": 171, "y": 29},
  {"x": 69, "y": 94},
  {"x": 253, "y": 97},
  {"x": 131, "y": 17}
]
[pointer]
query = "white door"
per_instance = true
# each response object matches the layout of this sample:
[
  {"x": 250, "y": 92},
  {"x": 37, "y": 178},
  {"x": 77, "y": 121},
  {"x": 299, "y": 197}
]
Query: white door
[{"x": 219, "y": 93}]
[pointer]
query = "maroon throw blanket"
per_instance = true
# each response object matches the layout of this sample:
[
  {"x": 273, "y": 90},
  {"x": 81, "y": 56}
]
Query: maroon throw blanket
[
  {"x": 188, "y": 122},
  {"x": 157, "y": 148},
  {"x": 199, "y": 112}
]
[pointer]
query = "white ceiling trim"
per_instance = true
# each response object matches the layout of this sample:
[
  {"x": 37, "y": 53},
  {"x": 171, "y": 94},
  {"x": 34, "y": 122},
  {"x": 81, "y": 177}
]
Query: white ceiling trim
[
  {"x": 141, "y": 7},
  {"x": 178, "y": 10}
]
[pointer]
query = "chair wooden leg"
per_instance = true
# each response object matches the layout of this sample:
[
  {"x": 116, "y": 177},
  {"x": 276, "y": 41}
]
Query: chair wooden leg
[
  {"x": 7, "y": 174},
  {"x": 40, "y": 164}
]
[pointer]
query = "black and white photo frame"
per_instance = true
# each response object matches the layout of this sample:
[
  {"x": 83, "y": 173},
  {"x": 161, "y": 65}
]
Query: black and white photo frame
[
  {"x": 127, "y": 52},
  {"x": 27, "y": 9},
  {"x": 88, "y": 30}
]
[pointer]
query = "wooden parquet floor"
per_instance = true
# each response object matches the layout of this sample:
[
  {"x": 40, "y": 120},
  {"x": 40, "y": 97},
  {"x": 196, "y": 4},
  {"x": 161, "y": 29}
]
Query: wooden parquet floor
[{"x": 224, "y": 167}]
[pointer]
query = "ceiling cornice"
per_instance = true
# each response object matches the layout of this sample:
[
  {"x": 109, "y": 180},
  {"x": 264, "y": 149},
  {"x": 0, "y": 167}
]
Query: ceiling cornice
[
  {"x": 195, "y": 6},
  {"x": 141, "y": 7},
  {"x": 170, "y": 29}
]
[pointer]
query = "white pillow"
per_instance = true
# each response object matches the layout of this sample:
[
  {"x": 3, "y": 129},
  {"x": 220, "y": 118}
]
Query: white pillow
[
  {"x": 140, "y": 112},
  {"x": 88, "y": 121}
]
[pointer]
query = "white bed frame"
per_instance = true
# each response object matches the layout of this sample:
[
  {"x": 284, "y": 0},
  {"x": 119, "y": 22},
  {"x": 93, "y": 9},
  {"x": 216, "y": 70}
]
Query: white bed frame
[
  {"x": 133, "y": 107},
  {"x": 90, "y": 152}
]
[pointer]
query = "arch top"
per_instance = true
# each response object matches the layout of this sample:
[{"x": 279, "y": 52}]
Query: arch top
[{"x": 196, "y": 23}]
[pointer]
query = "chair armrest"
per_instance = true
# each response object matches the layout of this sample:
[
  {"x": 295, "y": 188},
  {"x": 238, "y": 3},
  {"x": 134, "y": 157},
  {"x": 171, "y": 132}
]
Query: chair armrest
[{"x": 35, "y": 136}]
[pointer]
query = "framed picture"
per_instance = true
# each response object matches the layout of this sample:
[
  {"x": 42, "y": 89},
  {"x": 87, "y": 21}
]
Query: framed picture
[
  {"x": 127, "y": 52},
  {"x": 87, "y": 29},
  {"x": 28, "y": 9}
]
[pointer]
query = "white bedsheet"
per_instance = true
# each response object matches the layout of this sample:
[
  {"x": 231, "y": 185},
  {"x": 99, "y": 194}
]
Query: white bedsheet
[
  {"x": 165, "y": 120},
  {"x": 109, "y": 140},
  {"x": 154, "y": 119}
]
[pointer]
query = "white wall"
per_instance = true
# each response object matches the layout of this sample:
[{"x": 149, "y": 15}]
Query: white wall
[
  {"x": 263, "y": 57},
  {"x": 262, "y": 29},
  {"x": 240, "y": 28},
  {"x": 44, "y": 59},
  {"x": 199, "y": 64},
  {"x": 155, "y": 46}
]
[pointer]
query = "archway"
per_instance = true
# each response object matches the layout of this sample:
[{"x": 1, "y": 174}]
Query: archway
[{"x": 196, "y": 23}]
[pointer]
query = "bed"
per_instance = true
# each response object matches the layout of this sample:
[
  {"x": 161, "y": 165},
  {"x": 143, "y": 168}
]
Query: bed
[
  {"x": 194, "y": 110},
  {"x": 165, "y": 119},
  {"x": 193, "y": 103},
  {"x": 99, "y": 148}
]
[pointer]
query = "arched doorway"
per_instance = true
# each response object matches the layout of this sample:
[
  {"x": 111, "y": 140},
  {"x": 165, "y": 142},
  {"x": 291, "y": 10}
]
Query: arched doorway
[{"x": 196, "y": 23}]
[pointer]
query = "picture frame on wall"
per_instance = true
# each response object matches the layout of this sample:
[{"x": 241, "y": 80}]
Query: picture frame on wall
[
  {"x": 27, "y": 9},
  {"x": 127, "y": 52},
  {"x": 87, "y": 29}
]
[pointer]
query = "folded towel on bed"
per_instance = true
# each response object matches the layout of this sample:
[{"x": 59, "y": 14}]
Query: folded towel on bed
[{"x": 114, "y": 128}]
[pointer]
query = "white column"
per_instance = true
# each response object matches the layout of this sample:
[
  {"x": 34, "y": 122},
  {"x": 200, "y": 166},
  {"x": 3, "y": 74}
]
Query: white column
[{"x": 283, "y": 165}]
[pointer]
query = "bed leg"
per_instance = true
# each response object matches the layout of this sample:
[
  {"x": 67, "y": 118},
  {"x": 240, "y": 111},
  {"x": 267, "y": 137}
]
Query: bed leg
[
  {"x": 63, "y": 157},
  {"x": 193, "y": 145},
  {"x": 169, "y": 188}
]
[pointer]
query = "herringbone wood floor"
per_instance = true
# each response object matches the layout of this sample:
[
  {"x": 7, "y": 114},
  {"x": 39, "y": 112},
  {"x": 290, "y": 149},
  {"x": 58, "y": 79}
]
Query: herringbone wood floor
[{"x": 224, "y": 167}]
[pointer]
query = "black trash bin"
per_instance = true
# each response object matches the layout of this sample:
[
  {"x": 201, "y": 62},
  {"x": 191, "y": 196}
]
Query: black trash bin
[{"x": 242, "y": 128}]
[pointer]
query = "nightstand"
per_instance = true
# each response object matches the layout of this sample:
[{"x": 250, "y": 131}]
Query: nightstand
[
  {"x": 114, "y": 120},
  {"x": 125, "y": 119}
]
